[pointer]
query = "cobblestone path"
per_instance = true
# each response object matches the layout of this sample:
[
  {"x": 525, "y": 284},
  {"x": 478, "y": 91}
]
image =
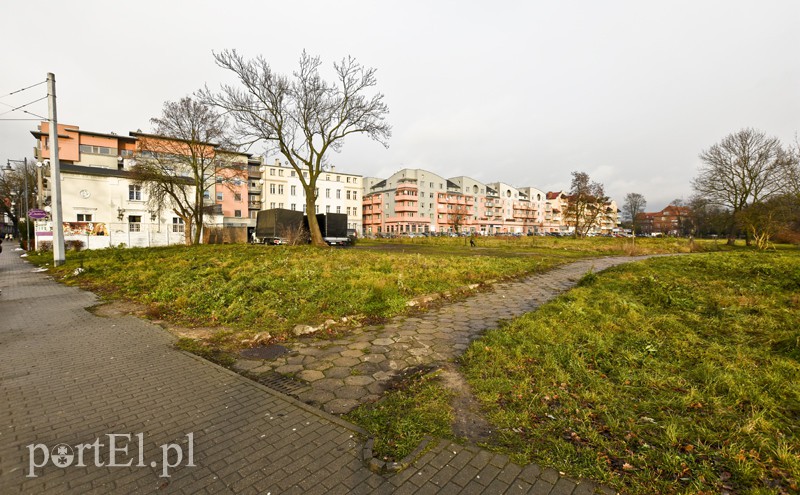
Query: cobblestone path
[{"x": 339, "y": 375}]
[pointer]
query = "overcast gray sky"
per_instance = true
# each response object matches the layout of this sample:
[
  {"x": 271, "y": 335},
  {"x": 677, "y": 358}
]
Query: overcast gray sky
[{"x": 522, "y": 92}]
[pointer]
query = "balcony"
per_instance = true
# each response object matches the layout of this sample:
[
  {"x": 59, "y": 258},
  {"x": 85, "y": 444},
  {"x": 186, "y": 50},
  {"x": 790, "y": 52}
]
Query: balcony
[
  {"x": 411, "y": 207},
  {"x": 254, "y": 205},
  {"x": 254, "y": 189}
]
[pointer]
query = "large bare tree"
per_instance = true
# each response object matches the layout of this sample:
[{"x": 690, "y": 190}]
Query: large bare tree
[
  {"x": 586, "y": 203},
  {"x": 745, "y": 168},
  {"x": 634, "y": 205},
  {"x": 188, "y": 149},
  {"x": 302, "y": 117}
]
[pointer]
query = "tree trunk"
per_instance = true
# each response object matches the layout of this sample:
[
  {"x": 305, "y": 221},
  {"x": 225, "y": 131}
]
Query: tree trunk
[{"x": 313, "y": 226}]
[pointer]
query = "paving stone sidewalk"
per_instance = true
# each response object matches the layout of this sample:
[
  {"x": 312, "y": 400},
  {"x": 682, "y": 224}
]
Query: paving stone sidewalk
[
  {"x": 339, "y": 375},
  {"x": 69, "y": 378}
]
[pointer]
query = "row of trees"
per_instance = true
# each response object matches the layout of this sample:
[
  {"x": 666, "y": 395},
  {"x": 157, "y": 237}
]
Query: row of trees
[
  {"x": 302, "y": 117},
  {"x": 14, "y": 195},
  {"x": 748, "y": 184},
  {"x": 754, "y": 180}
]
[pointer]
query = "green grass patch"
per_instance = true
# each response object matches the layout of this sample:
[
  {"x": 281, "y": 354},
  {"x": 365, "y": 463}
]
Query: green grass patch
[
  {"x": 417, "y": 406},
  {"x": 673, "y": 375},
  {"x": 252, "y": 289}
]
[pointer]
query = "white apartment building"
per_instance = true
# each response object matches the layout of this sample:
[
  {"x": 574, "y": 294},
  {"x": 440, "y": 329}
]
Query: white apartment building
[{"x": 337, "y": 192}]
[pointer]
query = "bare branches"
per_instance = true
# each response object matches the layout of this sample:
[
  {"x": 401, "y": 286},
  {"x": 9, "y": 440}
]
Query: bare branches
[
  {"x": 634, "y": 205},
  {"x": 180, "y": 161},
  {"x": 587, "y": 203},
  {"x": 304, "y": 117},
  {"x": 743, "y": 169}
]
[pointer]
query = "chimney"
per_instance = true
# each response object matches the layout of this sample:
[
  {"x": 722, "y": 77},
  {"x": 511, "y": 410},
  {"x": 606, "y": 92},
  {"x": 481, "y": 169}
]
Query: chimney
[{"x": 277, "y": 162}]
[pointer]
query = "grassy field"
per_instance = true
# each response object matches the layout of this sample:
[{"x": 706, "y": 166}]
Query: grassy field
[
  {"x": 249, "y": 289},
  {"x": 674, "y": 375}
]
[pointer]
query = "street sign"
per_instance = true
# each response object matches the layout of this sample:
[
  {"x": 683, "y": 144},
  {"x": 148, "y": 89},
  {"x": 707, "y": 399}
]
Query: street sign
[{"x": 37, "y": 213}]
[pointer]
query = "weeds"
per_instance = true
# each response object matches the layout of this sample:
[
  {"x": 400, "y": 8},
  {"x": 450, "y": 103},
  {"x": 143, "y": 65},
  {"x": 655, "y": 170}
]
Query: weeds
[
  {"x": 418, "y": 405},
  {"x": 675, "y": 375}
]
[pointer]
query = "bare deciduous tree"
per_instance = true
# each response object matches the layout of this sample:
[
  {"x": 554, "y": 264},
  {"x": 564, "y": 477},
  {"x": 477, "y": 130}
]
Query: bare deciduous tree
[
  {"x": 744, "y": 168},
  {"x": 181, "y": 159},
  {"x": 302, "y": 117},
  {"x": 634, "y": 205},
  {"x": 12, "y": 190},
  {"x": 586, "y": 203}
]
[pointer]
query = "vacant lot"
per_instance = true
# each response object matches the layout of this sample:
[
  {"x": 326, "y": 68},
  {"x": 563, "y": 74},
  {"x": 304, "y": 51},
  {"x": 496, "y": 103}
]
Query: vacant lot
[
  {"x": 244, "y": 289},
  {"x": 674, "y": 375}
]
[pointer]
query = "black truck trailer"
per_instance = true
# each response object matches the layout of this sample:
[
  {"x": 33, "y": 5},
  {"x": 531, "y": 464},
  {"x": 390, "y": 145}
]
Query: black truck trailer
[{"x": 279, "y": 226}]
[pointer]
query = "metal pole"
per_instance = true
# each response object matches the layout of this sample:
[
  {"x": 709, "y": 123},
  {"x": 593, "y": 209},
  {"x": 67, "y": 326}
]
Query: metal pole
[
  {"x": 25, "y": 202},
  {"x": 58, "y": 227}
]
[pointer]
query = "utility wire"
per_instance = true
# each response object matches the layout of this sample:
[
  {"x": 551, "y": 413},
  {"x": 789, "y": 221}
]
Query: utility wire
[
  {"x": 23, "y": 106},
  {"x": 23, "y": 89}
]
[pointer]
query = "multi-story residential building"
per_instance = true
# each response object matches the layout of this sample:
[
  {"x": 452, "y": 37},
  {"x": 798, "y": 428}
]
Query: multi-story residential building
[
  {"x": 412, "y": 201},
  {"x": 672, "y": 220},
  {"x": 102, "y": 205},
  {"x": 337, "y": 192},
  {"x": 419, "y": 201}
]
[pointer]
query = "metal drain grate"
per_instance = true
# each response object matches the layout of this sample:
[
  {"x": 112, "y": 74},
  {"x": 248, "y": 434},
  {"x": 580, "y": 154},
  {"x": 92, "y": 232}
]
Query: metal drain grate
[{"x": 282, "y": 384}]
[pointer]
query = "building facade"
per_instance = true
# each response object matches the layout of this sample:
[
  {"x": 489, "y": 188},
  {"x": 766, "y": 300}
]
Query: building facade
[
  {"x": 101, "y": 203},
  {"x": 417, "y": 201},
  {"x": 337, "y": 192}
]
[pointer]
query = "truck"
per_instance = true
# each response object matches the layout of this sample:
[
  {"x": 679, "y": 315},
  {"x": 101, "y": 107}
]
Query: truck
[
  {"x": 279, "y": 226},
  {"x": 333, "y": 227}
]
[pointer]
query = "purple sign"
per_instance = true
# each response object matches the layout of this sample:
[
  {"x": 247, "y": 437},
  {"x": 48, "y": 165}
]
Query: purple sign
[{"x": 37, "y": 214}]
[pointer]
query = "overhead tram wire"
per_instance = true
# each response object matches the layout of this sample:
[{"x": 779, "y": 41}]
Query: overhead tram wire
[
  {"x": 14, "y": 109},
  {"x": 23, "y": 89}
]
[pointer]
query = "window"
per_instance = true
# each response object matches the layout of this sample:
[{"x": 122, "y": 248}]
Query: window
[
  {"x": 338, "y": 209},
  {"x": 178, "y": 226},
  {"x": 292, "y": 173},
  {"x": 327, "y": 208},
  {"x": 237, "y": 213},
  {"x": 280, "y": 188},
  {"x": 348, "y": 194},
  {"x": 327, "y": 193},
  {"x": 316, "y": 208},
  {"x": 134, "y": 192},
  {"x": 272, "y": 205},
  {"x": 293, "y": 190},
  {"x": 84, "y": 217},
  {"x": 97, "y": 150},
  {"x": 280, "y": 205},
  {"x": 206, "y": 194},
  {"x": 237, "y": 197},
  {"x": 294, "y": 206},
  {"x": 219, "y": 196},
  {"x": 135, "y": 223},
  {"x": 304, "y": 208},
  {"x": 280, "y": 172},
  {"x": 338, "y": 178},
  {"x": 338, "y": 194},
  {"x": 272, "y": 188},
  {"x": 272, "y": 171},
  {"x": 218, "y": 179},
  {"x": 348, "y": 180},
  {"x": 355, "y": 194}
]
